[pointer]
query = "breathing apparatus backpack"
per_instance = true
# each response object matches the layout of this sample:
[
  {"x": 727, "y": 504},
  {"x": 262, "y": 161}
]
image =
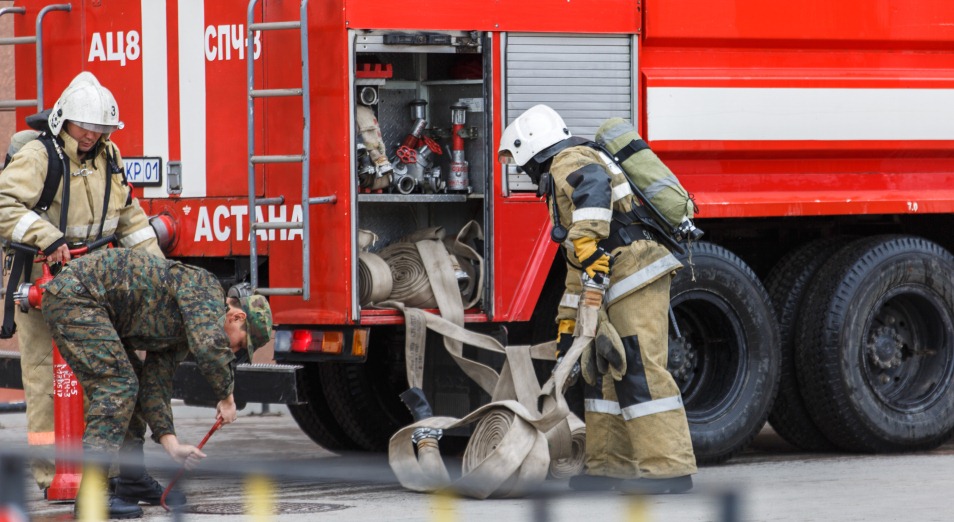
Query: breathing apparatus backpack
[
  {"x": 55, "y": 167},
  {"x": 668, "y": 201}
]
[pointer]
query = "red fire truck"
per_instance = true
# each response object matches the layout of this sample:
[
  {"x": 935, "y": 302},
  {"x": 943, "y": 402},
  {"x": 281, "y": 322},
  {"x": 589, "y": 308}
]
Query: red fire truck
[{"x": 816, "y": 137}]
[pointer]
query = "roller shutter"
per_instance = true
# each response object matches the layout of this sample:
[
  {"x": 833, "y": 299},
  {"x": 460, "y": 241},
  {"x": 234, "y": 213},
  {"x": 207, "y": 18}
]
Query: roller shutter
[{"x": 587, "y": 79}]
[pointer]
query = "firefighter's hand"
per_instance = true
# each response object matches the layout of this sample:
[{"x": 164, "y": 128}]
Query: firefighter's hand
[
  {"x": 565, "y": 336},
  {"x": 60, "y": 255},
  {"x": 593, "y": 258},
  {"x": 226, "y": 410},
  {"x": 564, "y": 342},
  {"x": 610, "y": 355}
]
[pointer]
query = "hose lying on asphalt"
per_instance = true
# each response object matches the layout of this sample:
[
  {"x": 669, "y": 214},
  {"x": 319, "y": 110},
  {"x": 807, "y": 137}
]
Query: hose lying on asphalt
[{"x": 521, "y": 433}]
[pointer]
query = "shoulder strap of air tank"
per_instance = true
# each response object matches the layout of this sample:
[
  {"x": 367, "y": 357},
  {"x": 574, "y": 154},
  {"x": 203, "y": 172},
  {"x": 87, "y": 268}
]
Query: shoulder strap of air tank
[
  {"x": 116, "y": 168},
  {"x": 652, "y": 217},
  {"x": 54, "y": 173}
]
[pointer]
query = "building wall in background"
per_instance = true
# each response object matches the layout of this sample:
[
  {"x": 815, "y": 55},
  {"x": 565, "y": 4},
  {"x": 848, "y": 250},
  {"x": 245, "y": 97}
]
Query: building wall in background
[
  {"x": 7, "y": 128},
  {"x": 7, "y": 125}
]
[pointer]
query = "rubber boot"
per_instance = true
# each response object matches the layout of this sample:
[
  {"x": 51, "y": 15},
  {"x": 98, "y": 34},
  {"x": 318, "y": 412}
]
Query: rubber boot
[
  {"x": 92, "y": 500},
  {"x": 663, "y": 486},
  {"x": 594, "y": 483},
  {"x": 135, "y": 485}
]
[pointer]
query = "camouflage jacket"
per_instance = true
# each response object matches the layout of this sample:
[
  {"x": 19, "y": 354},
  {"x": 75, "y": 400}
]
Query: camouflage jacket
[{"x": 163, "y": 307}]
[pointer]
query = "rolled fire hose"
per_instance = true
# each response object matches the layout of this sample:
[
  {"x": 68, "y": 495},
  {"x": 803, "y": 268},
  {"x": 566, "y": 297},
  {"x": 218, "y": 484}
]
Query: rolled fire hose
[
  {"x": 471, "y": 261},
  {"x": 513, "y": 463},
  {"x": 509, "y": 451},
  {"x": 366, "y": 240},
  {"x": 410, "y": 285},
  {"x": 374, "y": 279},
  {"x": 570, "y": 462}
]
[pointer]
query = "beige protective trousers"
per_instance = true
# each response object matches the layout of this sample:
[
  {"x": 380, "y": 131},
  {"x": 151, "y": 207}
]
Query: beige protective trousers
[
  {"x": 36, "y": 364},
  {"x": 637, "y": 427}
]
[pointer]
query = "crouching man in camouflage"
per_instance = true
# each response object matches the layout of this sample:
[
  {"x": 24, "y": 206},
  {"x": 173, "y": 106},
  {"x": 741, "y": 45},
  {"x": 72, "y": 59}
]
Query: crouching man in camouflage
[{"x": 103, "y": 307}]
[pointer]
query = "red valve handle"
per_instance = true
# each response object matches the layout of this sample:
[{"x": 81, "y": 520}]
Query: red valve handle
[{"x": 407, "y": 155}]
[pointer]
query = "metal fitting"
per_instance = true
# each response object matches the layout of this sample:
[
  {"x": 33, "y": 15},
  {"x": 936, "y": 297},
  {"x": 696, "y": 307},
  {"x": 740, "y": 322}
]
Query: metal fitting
[{"x": 426, "y": 433}]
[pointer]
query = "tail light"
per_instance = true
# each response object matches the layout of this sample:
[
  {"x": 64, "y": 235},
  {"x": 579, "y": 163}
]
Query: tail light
[{"x": 344, "y": 344}]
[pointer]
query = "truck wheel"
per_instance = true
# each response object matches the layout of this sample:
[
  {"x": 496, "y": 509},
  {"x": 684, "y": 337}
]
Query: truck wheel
[
  {"x": 786, "y": 285},
  {"x": 315, "y": 417},
  {"x": 876, "y": 350},
  {"x": 364, "y": 397},
  {"x": 725, "y": 357}
]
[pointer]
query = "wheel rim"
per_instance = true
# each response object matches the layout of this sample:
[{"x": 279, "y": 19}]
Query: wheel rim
[
  {"x": 906, "y": 353},
  {"x": 709, "y": 357}
]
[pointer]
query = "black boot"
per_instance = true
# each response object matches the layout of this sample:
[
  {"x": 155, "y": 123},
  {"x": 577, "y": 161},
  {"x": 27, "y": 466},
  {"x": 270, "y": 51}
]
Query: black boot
[
  {"x": 94, "y": 478},
  {"x": 135, "y": 485},
  {"x": 649, "y": 486},
  {"x": 593, "y": 483},
  {"x": 115, "y": 508},
  {"x": 146, "y": 489}
]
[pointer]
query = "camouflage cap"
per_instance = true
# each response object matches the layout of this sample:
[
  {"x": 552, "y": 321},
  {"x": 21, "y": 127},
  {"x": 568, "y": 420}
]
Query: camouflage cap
[{"x": 258, "y": 321}]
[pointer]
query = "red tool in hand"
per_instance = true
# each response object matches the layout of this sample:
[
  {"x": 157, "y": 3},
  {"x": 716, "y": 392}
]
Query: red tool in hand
[{"x": 162, "y": 501}]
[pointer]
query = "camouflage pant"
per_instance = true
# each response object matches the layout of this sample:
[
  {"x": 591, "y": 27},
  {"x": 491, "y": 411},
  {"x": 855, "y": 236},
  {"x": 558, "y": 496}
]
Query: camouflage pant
[
  {"x": 36, "y": 361},
  {"x": 109, "y": 373}
]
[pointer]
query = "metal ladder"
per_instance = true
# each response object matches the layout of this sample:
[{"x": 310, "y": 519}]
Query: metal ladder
[
  {"x": 38, "y": 40},
  {"x": 303, "y": 158}
]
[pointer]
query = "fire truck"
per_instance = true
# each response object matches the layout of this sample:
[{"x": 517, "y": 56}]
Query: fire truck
[{"x": 816, "y": 137}]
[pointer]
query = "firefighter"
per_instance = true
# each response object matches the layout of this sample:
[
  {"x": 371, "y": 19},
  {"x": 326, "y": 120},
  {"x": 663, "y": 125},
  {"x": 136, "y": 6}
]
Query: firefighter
[
  {"x": 82, "y": 120},
  {"x": 104, "y": 306},
  {"x": 637, "y": 434}
]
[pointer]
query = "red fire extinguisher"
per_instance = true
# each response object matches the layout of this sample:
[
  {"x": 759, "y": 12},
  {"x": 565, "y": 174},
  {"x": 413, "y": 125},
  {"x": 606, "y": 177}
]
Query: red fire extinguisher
[{"x": 68, "y": 421}]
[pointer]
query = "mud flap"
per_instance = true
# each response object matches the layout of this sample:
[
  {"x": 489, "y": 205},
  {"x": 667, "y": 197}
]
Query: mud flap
[{"x": 259, "y": 383}]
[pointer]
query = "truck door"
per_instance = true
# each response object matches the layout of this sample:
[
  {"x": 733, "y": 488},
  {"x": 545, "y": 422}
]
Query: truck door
[{"x": 587, "y": 79}]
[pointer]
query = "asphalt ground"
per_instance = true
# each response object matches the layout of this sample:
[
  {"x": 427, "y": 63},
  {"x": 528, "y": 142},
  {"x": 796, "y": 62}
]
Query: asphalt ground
[{"x": 770, "y": 481}]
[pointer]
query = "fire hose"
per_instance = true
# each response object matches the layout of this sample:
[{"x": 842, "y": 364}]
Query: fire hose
[
  {"x": 508, "y": 452},
  {"x": 375, "y": 282},
  {"x": 162, "y": 500},
  {"x": 525, "y": 432},
  {"x": 398, "y": 272}
]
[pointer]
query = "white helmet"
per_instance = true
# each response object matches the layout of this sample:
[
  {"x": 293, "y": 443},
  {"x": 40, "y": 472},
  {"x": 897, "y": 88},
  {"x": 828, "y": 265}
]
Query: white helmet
[
  {"x": 537, "y": 129},
  {"x": 87, "y": 104}
]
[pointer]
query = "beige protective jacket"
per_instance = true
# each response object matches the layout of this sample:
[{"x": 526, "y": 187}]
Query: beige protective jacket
[
  {"x": 589, "y": 188},
  {"x": 21, "y": 184}
]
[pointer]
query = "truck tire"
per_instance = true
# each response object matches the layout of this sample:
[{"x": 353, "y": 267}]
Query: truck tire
[
  {"x": 725, "y": 357},
  {"x": 786, "y": 285},
  {"x": 364, "y": 397},
  {"x": 876, "y": 350},
  {"x": 315, "y": 417}
]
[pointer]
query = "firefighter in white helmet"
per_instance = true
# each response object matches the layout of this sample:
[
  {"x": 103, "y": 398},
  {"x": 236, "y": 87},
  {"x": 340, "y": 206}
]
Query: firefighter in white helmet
[
  {"x": 637, "y": 435},
  {"x": 98, "y": 203}
]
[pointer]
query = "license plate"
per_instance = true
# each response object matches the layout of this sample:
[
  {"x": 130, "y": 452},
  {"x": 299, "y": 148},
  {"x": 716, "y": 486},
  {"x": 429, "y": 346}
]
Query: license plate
[{"x": 144, "y": 172}]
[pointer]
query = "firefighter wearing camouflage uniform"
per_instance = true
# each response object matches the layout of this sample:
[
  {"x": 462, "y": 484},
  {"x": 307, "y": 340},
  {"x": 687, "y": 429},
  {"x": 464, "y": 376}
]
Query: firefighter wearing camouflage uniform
[
  {"x": 636, "y": 428},
  {"x": 105, "y": 306}
]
